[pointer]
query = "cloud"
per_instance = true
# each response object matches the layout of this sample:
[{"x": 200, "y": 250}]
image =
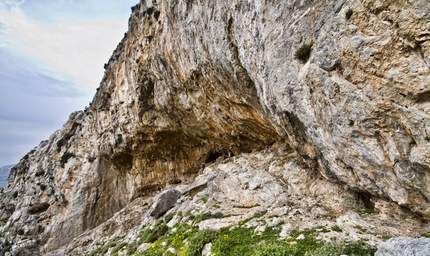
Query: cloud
[
  {"x": 51, "y": 60},
  {"x": 21, "y": 73},
  {"x": 77, "y": 49},
  {"x": 9, "y": 4}
]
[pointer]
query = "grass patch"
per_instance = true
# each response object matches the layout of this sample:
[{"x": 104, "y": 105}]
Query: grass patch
[
  {"x": 199, "y": 239},
  {"x": 3, "y": 222},
  {"x": 426, "y": 235},
  {"x": 364, "y": 211},
  {"x": 207, "y": 215},
  {"x": 234, "y": 241},
  {"x": 356, "y": 248},
  {"x": 259, "y": 214},
  {"x": 336, "y": 228},
  {"x": 102, "y": 250},
  {"x": 240, "y": 241},
  {"x": 246, "y": 206},
  {"x": 244, "y": 242},
  {"x": 150, "y": 235},
  {"x": 117, "y": 248},
  {"x": 169, "y": 217},
  {"x": 360, "y": 228}
]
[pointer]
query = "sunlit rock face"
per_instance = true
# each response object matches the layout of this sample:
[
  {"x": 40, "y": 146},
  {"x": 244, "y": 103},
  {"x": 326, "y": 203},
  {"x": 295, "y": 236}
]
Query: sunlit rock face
[{"x": 195, "y": 80}]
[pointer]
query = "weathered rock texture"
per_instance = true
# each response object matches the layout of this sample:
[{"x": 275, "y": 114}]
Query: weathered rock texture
[
  {"x": 229, "y": 192},
  {"x": 194, "y": 80},
  {"x": 404, "y": 246}
]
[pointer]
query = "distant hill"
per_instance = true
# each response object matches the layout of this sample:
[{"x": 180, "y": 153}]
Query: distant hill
[{"x": 4, "y": 173}]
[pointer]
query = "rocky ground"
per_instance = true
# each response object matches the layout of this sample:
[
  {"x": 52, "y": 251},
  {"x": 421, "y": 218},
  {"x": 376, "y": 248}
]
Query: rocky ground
[{"x": 270, "y": 199}]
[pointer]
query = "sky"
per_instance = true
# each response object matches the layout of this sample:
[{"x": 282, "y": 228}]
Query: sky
[{"x": 52, "y": 54}]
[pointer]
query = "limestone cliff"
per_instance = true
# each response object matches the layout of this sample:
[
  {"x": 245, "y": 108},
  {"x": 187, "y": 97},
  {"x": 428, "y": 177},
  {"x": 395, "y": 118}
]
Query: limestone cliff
[{"x": 195, "y": 80}]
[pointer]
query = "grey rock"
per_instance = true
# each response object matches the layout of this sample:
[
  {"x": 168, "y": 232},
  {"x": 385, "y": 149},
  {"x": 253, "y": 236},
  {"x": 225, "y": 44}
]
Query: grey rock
[
  {"x": 206, "y": 251},
  {"x": 164, "y": 202},
  {"x": 404, "y": 246}
]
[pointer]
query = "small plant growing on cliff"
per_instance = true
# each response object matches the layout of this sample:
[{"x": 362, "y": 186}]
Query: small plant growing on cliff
[
  {"x": 65, "y": 157},
  {"x": 348, "y": 14},
  {"x": 304, "y": 52},
  {"x": 60, "y": 143},
  {"x": 336, "y": 228}
]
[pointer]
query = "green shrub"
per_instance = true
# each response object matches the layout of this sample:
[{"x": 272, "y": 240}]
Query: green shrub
[
  {"x": 65, "y": 157},
  {"x": 114, "y": 243},
  {"x": 348, "y": 14},
  {"x": 240, "y": 241},
  {"x": 336, "y": 228},
  {"x": 60, "y": 143},
  {"x": 364, "y": 211},
  {"x": 117, "y": 248},
  {"x": 260, "y": 214},
  {"x": 246, "y": 206},
  {"x": 199, "y": 239},
  {"x": 426, "y": 235},
  {"x": 304, "y": 52},
  {"x": 3, "y": 222},
  {"x": 357, "y": 248},
  {"x": 206, "y": 216},
  {"x": 150, "y": 235},
  {"x": 169, "y": 217}
]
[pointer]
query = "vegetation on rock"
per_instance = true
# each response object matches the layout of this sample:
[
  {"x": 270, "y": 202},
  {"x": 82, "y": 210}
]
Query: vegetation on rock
[
  {"x": 65, "y": 157},
  {"x": 235, "y": 240},
  {"x": 304, "y": 52},
  {"x": 348, "y": 14}
]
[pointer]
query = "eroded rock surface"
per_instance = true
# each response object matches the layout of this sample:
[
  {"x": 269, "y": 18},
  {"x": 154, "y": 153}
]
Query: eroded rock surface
[
  {"x": 272, "y": 184},
  {"x": 195, "y": 80},
  {"x": 404, "y": 246}
]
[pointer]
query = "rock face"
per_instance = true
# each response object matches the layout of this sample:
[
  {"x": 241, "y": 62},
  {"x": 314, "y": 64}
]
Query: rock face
[
  {"x": 195, "y": 80},
  {"x": 272, "y": 184},
  {"x": 404, "y": 247}
]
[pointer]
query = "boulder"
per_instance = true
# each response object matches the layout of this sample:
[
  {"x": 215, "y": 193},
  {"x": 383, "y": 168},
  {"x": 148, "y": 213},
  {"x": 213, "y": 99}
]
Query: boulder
[
  {"x": 164, "y": 202},
  {"x": 404, "y": 246}
]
